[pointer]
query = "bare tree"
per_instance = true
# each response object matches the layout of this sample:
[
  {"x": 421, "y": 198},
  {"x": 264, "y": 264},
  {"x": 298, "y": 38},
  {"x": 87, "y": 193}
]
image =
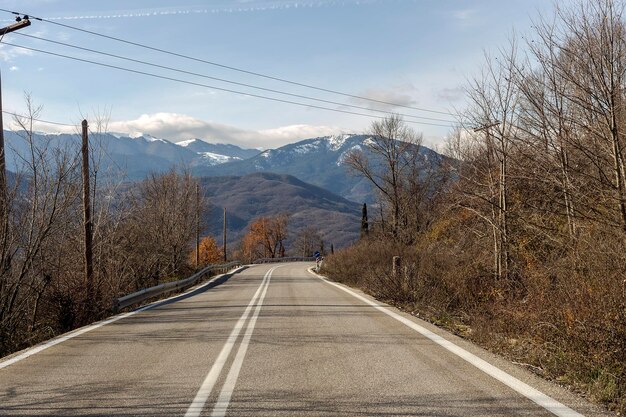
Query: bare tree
[
  {"x": 306, "y": 242},
  {"x": 41, "y": 205},
  {"x": 390, "y": 163},
  {"x": 494, "y": 117},
  {"x": 163, "y": 224},
  {"x": 592, "y": 42}
]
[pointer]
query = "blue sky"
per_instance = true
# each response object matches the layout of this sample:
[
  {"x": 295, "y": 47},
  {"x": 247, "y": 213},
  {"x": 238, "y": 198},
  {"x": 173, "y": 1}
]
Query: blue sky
[{"x": 413, "y": 52}]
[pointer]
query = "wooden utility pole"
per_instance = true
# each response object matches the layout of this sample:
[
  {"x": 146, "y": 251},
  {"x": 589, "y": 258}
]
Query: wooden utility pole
[
  {"x": 20, "y": 23},
  {"x": 197, "y": 225},
  {"x": 224, "y": 236},
  {"x": 87, "y": 221}
]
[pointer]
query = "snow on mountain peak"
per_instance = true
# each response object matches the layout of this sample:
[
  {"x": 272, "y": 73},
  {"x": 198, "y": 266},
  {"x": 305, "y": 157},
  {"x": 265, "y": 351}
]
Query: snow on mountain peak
[
  {"x": 147, "y": 137},
  {"x": 335, "y": 142},
  {"x": 186, "y": 143},
  {"x": 306, "y": 147},
  {"x": 216, "y": 158}
]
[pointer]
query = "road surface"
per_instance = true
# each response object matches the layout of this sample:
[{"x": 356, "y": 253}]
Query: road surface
[{"x": 273, "y": 340}]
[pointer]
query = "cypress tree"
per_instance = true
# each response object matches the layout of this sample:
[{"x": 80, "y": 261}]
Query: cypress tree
[{"x": 364, "y": 224}]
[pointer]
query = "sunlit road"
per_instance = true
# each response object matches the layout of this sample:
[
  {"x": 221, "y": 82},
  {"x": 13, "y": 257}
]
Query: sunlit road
[{"x": 274, "y": 340}]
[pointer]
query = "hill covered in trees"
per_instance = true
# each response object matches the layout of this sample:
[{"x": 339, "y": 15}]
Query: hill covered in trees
[{"x": 247, "y": 197}]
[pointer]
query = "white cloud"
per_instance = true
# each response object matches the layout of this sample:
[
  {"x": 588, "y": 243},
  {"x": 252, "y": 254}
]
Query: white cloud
[
  {"x": 14, "y": 68},
  {"x": 178, "y": 127}
]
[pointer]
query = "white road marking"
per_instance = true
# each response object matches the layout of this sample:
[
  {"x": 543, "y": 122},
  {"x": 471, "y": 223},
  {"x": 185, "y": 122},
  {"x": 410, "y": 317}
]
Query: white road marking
[
  {"x": 526, "y": 390},
  {"x": 197, "y": 405},
  {"x": 36, "y": 349},
  {"x": 229, "y": 386}
]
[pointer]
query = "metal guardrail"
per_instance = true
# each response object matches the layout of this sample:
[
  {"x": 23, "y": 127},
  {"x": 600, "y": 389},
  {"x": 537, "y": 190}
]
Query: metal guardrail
[
  {"x": 288, "y": 259},
  {"x": 144, "y": 294}
]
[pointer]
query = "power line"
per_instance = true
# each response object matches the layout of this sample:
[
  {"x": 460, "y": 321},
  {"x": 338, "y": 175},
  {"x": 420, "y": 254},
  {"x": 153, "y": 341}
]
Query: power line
[
  {"x": 163, "y": 77},
  {"x": 257, "y": 74},
  {"x": 37, "y": 120},
  {"x": 230, "y": 81}
]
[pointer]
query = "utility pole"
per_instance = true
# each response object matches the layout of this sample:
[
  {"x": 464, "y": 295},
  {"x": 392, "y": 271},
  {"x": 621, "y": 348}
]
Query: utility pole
[
  {"x": 224, "y": 236},
  {"x": 19, "y": 24},
  {"x": 87, "y": 221},
  {"x": 197, "y": 225}
]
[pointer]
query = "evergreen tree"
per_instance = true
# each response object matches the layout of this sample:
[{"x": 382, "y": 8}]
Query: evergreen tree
[{"x": 364, "y": 223}]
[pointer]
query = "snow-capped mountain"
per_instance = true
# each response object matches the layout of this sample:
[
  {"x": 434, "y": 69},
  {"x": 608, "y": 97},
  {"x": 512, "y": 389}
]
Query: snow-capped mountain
[
  {"x": 216, "y": 153},
  {"x": 133, "y": 156},
  {"x": 233, "y": 151},
  {"x": 318, "y": 161}
]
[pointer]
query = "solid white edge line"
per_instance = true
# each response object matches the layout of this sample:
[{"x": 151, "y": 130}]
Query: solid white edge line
[
  {"x": 60, "y": 339},
  {"x": 197, "y": 405},
  {"x": 231, "y": 380},
  {"x": 522, "y": 388}
]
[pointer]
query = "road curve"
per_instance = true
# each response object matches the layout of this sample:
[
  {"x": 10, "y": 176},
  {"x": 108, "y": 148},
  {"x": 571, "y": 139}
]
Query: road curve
[{"x": 273, "y": 340}]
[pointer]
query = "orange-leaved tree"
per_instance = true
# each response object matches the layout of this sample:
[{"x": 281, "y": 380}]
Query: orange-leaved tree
[
  {"x": 266, "y": 237},
  {"x": 210, "y": 253}
]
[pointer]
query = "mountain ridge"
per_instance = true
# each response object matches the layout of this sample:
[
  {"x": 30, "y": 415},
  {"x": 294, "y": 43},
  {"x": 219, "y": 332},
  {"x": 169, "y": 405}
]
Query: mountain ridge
[
  {"x": 135, "y": 156},
  {"x": 318, "y": 161}
]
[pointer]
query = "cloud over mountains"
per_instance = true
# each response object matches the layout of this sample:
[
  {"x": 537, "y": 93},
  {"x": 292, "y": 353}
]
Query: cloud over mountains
[{"x": 180, "y": 127}]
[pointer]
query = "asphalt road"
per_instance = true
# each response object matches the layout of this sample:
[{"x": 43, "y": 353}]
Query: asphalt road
[{"x": 273, "y": 340}]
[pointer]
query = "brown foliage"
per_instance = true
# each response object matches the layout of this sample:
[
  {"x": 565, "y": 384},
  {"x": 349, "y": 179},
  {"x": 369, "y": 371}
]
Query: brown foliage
[
  {"x": 210, "y": 253},
  {"x": 266, "y": 238}
]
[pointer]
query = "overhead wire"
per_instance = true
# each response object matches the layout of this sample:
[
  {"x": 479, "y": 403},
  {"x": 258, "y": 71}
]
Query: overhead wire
[
  {"x": 152, "y": 64},
  {"x": 38, "y": 120},
  {"x": 243, "y": 93},
  {"x": 232, "y": 68}
]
